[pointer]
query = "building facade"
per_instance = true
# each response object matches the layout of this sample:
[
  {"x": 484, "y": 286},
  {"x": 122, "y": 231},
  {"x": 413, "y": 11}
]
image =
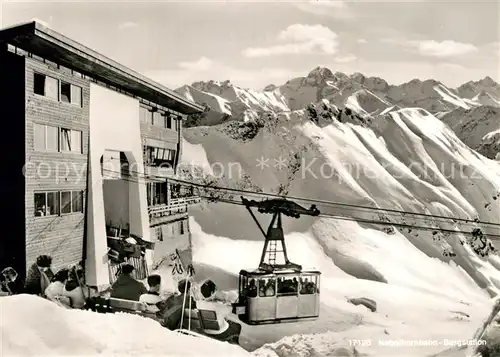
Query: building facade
[{"x": 88, "y": 146}]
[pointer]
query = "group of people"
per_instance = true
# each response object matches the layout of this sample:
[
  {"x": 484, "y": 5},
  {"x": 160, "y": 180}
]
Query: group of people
[
  {"x": 267, "y": 287},
  {"x": 67, "y": 288},
  {"x": 167, "y": 310}
]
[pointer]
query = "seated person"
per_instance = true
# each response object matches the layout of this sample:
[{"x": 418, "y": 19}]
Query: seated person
[
  {"x": 170, "y": 313},
  {"x": 270, "y": 287},
  {"x": 152, "y": 297},
  {"x": 208, "y": 292},
  {"x": 252, "y": 289},
  {"x": 126, "y": 287},
  {"x": 39, "y": 276},
  {"x": 76, "y": 289},
  {"x": 55, "y": 290},
  {"x": 7, "y": 279}
]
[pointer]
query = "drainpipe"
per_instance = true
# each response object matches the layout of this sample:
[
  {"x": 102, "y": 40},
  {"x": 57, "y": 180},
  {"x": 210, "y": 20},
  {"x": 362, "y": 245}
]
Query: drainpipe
[
  {"x": 86, "y": 203},
  {"x": 179, "y": 143}
]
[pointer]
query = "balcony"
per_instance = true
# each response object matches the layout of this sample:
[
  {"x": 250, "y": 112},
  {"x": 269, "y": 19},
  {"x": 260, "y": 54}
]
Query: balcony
[
  {"x": 158, "y": 172},
  {"x": 175, "y": 206}
]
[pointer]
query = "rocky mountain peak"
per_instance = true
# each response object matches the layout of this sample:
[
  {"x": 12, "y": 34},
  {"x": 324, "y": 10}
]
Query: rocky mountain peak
[
  {"x": 488, "y": 81},
  {"x": 320, "y": 73},
  {"x": 270, "y": 88}
]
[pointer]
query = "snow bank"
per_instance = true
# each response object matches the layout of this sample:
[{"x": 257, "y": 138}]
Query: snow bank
[
  {"x": 195, "y": 155},
  {"x": 32, "y": 326}
]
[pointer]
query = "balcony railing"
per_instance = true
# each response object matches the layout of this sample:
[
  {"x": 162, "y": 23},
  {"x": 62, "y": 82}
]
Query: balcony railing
[
  {"x": 174, "y": 206},
  {"x": 158, "y": 172}
]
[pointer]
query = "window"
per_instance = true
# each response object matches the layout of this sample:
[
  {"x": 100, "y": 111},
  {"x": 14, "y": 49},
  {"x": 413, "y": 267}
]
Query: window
[
  {"x": 49, "y": 87},
  {"x": 145, "y": 115},
  {"x": 158, "y": 120},
  {"x": 71, "y": 140},
  {"x": 71, "y": 201},
  {"x": 54, "y": 139},
  {"x": 45, "y": 137},
  {"x": 46, "y": 86},
  {"x": 157, "y": 233},
  {"x": 168, "y": 121},
  {"x": 167, "y": 231},
  {"x": 46, "y": 204},
  {"x": 77, "y": 201},
  {"x": 169, "y": 155},
  {"x": 65, "y": 92},
  {"x": 157, "y": 193},
  {"x": 71, "y": 93},
  {"x": 39, "y": 84},
  {"x": 159, "y": 156},
  {"x": 66, "y": 202},
  {"x": 54, "y": 203}
]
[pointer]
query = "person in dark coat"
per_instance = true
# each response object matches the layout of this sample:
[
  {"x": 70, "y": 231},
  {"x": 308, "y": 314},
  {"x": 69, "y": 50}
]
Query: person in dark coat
[
  {"x": 39, "y": 276},
  {"x": 126, "y": 287},
  {"x": 152, "y": 297},
  {"x": 8, "y": 278},
  {"x": 171, "y": 310}
]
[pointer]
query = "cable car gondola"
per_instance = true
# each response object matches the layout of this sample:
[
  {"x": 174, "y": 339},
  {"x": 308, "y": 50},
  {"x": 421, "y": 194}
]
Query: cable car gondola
[{"x": 275, "y": 293}]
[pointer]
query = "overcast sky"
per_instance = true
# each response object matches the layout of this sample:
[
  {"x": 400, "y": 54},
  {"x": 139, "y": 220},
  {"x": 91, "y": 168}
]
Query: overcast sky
[{"x": 258, "y": 43}]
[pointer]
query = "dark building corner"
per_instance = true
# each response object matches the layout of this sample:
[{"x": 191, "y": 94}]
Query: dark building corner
[{"x": 12, "y": 144}]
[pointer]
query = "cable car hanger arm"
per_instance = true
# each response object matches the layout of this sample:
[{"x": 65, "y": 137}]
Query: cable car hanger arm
[
  {"x": 281, "y": 205},
  {"x": 256, "y": 220}
]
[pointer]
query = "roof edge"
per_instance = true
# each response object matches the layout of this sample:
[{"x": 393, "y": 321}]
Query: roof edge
[{"x": 38, "y": 29}]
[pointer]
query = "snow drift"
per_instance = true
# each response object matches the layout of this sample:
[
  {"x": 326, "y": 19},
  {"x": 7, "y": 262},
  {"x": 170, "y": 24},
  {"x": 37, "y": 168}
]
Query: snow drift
[{"x": 32, "y": 326}]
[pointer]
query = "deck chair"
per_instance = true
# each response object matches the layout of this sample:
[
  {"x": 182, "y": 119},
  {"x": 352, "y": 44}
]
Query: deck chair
[
  {"x": 192, "y": 321},
  {"x": 229, "y": 331},
  {"x": 210, "y": 322},
  {"x": 202, "y": 321},
  {"x": 127, "y": 305},
  {"x": 110, "y": 305},
  {"x": 190, "y": 333}
]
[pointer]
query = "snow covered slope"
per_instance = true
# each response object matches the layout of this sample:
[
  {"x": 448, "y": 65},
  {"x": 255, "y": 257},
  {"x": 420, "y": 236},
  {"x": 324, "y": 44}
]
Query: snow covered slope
[
  {"x": 478, "y": 128},
  {"x": 32, "y": 326},
  {"x": 409, "y": 160},
  {"x": 406, "y": 160},
  {"x": 224, "y": 99},
  {"x": 485, "y": 91}
]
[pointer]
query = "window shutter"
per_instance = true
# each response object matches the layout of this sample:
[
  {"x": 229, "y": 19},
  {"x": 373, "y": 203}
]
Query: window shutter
[
  {"x": 76, "y": 141},
  {"x": 76, "y": 95},
  {"x": 39, "y": 137},
  {"x": 52, "y": 88},
  {"x": 52, "y": 138}
]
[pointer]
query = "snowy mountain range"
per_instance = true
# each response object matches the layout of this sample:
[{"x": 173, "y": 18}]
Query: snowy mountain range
[
  {"x": 369, "y": 97},
  {"x": 359, "y": 141}
]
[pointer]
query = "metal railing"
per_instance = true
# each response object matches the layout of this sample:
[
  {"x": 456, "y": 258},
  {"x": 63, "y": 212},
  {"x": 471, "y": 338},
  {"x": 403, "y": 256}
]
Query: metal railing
[
  {"x": 140, "y": 269},
  {"x": 175, "y": 205}
]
